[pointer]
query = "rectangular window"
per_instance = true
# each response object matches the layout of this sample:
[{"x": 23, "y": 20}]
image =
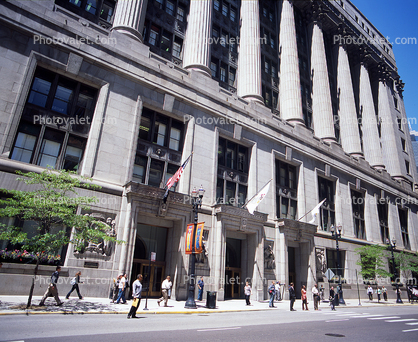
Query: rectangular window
[
  {"x": 286, "y": 190},
  {"x": 216, "y": 5},
  {"x": 39, "y": 92},
  {"x": 160, "y": 129},
  {"x": 382, "y": 209},
  {"x": 266, "y": 66},
  {"x": 332, "y": 262},
  {"x": 232, "y": 14},
  {"x": 140, "y": 168},
  {"x": 166, "y": 41},
  {"x": 357, "y": 202},
  {"x": 273, "y": 42},
  {"x": 326, "y": 189},
  {"x": 399, "y": 121},
  {"x": 156, "y": 173},
  {"x": 403, "y": 220},
  {"x": 223, "y": 72},
  {"x": 24, "y": 146},
  {"x": 169, "y": 8},
  {"x": 159, "y": 3},
  {"x": 223, "y": 39},
  {"x": 50, "y": 148},
  {"x": 153, "y": 35},
  {"x": 231, "y": 79},
  {"x": 91, "y": 6},
  {"x": 407, "y": 166},
  {"x": 225, "y": 9},
  {"x": 180, "y": 13},
  {"x": 403, "y": 143},
  {"x": 73, "y": 153},
  {"x": 177, "y": 47},
  {"x": 214, "y": 68},
  {"x": 107, "y": 11}
]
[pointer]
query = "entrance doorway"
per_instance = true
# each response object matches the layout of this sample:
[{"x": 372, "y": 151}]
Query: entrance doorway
[
  {"x": 150, "y": 239},
  {"x": 292, "y": 269},
  {"x": 233, "y": 269}
]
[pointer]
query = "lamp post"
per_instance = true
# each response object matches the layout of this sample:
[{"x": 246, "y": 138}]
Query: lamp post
[
  {"x": 337, "y": 235},
  {"x": 395, "y": 274},
  {"x": 197, "y": 196}
]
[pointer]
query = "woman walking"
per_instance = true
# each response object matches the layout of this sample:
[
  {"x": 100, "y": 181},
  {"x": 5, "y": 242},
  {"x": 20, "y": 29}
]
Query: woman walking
[
  {"x": 74, "y": 282},
  {"x": 247, "y": 293},
  {"x": 304, "y": 298}
]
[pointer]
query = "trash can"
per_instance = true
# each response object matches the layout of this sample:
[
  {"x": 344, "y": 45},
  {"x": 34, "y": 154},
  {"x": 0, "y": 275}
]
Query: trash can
[{"x": 211, "y": 299}]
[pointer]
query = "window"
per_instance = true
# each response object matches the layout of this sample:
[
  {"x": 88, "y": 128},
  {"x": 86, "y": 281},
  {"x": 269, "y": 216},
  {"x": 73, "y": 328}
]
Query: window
[
  {"x": 274, "y": 70},
  {"x": 232, "y": 14},
  {"x": 159, "y": 3},
  {"x": 165, "y": 132},
  {"x": 225, "y": 9},
  {"x": 273, "y": 42},
  {"x": 180, "y": 13},
  {"x": 57, "y": 137},
  {"x": 166, "y": 41},
  {"x": 403, "y": 220},
  {"x": 214, "y": 67},
  {"x": 399, "y": 121},
  {"x": 231, "y": 186},
  {"x": 169, "y": 8},
  {"x": 177, "y": 47},
  {"x": 407, "y": 166},
  {"x": 216, "y": 5},
  {"x": 265, "y": 12},
  {"x": 223, "y": 72},
  {"x": 357, "y": 202},
  {"x": 382, "y": 209},
  {"x": 403, "y": 143},
  {"x": 153, "y": 35},
  {"x": 231, "y": 78},
  {"x": 223, "y": 39},
  {"x": 107, "y": 11},
  {"x": 94, "y": 10},
  {"x": 395, "y": 101},
  {"x": 286, "y": 190},
  {"x": 326, "y": 189},
  {"x": 266, "y": 66},
  {"x": 332, "y": 262}
]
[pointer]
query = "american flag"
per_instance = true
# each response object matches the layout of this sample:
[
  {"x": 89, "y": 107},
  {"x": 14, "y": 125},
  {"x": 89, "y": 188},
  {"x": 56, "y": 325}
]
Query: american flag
[{"x": 174, "y": 179}]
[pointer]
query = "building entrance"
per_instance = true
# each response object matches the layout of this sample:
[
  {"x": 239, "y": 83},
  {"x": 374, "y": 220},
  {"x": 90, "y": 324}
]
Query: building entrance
[
  {"x": 150, "y": 239},
  {"x": 233, "y": 269}
]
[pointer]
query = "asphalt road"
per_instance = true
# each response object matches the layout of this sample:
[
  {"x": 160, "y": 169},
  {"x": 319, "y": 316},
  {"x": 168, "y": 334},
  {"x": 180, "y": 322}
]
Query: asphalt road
[{"x": 349, "y": 324}]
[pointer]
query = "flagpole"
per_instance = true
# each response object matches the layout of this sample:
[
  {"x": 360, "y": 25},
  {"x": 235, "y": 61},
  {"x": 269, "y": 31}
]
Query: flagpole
[{"x": 257, "y": 193}]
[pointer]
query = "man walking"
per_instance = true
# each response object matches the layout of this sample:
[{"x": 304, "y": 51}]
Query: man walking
[
  {"x": 52, "y": 288},
  {"x": 292, "y": 296},
  {"x": 200, "y": 286},
  {"x": 136, "y": 294},
  {"x": 315, "y": 293},
  {"x": 271, "y": 290},
  {"x": 332, "y": 298},
  {"x": 165, "y": 288}
]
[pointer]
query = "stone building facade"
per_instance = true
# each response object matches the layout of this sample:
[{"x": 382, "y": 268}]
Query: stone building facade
[{"x": 304, "y": 93}]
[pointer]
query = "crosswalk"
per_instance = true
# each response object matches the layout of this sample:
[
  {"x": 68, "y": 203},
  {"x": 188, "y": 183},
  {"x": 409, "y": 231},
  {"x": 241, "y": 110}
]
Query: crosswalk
[{"x": 410, "y": 323}]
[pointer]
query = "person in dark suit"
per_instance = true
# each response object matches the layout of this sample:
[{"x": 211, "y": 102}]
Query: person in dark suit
[
  {"x": 292, "y": 296},
  {"x": 332, "y": 298}
]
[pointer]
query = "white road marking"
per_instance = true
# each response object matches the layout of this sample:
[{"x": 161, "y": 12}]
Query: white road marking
[
  {"x": 366, "y": 316},
  {"x": 219, "y": 329},
  {"x": 385, "y": 317},
  {"x": 413, "y": 323},
  {"x": 337, "y": 320},
  {"x": 402, "y": 320},
  {"x": 409, "y": 330}
]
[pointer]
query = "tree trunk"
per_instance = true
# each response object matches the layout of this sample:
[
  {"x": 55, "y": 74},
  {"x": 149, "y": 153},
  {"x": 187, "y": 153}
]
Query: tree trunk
[{"x": 33, "y": 284}]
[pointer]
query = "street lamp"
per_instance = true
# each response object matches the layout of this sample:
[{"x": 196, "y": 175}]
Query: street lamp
[
  {"x": 337, "y": 235},
  {"x": 395, "y": 274},
  {"x": 197, "y": 196}
]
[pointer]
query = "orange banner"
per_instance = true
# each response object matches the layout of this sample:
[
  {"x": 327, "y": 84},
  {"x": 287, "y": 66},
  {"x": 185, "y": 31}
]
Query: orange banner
[{"x": 189, "y": 238}]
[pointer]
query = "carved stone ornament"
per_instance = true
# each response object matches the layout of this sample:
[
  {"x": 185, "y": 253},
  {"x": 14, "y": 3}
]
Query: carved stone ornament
[
  {"x": 321, "y": 261},
  {"x": 104, "y": 247},
  {"x": 269, "y": 263}
]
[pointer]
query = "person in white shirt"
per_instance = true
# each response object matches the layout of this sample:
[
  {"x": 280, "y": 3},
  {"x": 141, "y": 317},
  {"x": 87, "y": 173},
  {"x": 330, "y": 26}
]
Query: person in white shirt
[
  {"x": 165, "y": 289},
  {"x": 315, "y": 293},
  {"x": 121, "y": 291}
]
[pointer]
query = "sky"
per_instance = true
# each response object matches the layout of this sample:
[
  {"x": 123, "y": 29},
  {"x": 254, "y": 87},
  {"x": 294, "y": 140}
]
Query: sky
[{"x": 399, "y": 19}]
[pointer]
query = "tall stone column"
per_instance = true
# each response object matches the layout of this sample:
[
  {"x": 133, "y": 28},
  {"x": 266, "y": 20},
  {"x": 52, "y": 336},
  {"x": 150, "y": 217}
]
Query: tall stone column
[
  {"x": 350, "y": 135},
  {"x": 371, "y": 140},
  {"x": 322, "y": 115},
  {"x": 391, "y": 144},
  {"x": 196, "y": 46},
  {"x": 290, "y": 95},
  {"x": 249, "y": 59},
  {"x": 130, "y": 18}
]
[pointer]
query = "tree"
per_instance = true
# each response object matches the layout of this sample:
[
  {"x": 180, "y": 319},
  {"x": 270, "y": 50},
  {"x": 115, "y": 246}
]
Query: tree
[
  {"x": 372, "y": 261},
  {"x": 54, "y": 207},
  {"x": 407, "y": 262}
]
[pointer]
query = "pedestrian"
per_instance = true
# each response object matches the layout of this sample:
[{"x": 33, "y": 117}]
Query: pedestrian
[
  {"x": 304, "y": 298},
  {"x": 200, "y": 286},
  {"x": 121, "y": 294},
  {"x": 379, "y": 292},
  {"x": 116, "y": 288},
  {"x": 126, "y": 290},
  {"x": 315, "y": 294},
  {"x": 166, "y": 291},
  {"x": 136, "y": 294},
  {"x": 277, "y": 290},
  {"x": 292, "y": 296},
  {"x": 74, "y": 282},
  {"x": 271, "y": 290},
  {"x": 370, "y": 292},
  {"x": 332, "y": 298},
  {"x": 52, "y": 288},
  {"x": 247, "y": 293},
  {"x": 322, "y": 292},
  {"x": 385, "y": 293}
]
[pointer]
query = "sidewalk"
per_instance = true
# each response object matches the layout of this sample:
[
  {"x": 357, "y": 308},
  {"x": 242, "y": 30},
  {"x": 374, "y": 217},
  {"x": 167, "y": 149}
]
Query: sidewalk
[{"x": 10, "y": 305}]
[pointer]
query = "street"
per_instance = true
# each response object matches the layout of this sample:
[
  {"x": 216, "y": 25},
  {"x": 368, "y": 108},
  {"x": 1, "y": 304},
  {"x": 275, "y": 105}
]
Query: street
[{"x": 392, "y": 323}]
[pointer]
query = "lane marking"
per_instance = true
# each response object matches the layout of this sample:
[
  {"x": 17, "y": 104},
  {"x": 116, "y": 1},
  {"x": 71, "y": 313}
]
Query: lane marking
[
  {"x": 402, "y": 320},
  {"x": 409, "y": 330},
  {"x": 366, "y": 316},
  {"x": 215, "y": 329},
  {"x": 413, "y": 323},
  {"x": 384, "y": 317},
  {"x": 337, "y": 320}
]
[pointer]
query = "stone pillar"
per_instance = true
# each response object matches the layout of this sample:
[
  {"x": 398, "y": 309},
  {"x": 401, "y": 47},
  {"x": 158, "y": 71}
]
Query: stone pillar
[
  {"x": 196, "y": 45},
  {"x": 249, "y": 59},
  {"x": 371, "y": 140},
  {"x": 391, "y": 147},
  {"x": 290, "y": 94},
  {"x": 322, "y": 115},
  {"x": 350, "y": 135},
  {"x": 130, "y": 18}
]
